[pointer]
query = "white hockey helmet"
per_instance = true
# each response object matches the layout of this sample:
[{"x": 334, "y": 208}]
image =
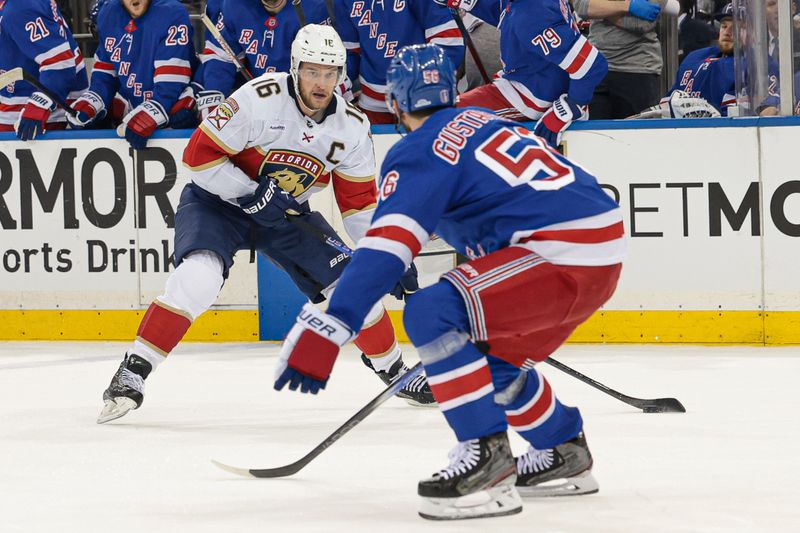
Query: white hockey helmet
[{"x": 320, "y": 44}]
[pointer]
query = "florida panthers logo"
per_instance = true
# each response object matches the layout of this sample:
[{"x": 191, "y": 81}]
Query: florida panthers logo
[{"x": 295, "y": 172}]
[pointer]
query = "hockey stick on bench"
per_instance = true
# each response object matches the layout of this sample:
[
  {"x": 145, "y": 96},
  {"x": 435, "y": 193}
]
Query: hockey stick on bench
[
  {"x": 470, "y": 45},
  {"x": 353, "y": 421},
  {"x": 18, "y": 74},
  {"x": 657, "y": 405}
]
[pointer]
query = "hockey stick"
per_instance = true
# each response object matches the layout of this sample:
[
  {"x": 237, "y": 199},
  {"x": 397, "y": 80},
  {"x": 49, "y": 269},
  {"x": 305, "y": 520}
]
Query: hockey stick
[
  {"x": 657, "y": 405},
  {"x": 470, "y": 45},
  {"x": 298, "y": 9},
  {"x": 353, "y": 421},
  {"x": 16, "y": 74},
  {"x": 331, "y": 12},
  {"x": 339, "y": 245},
  {"x": 212, "y": 29}
]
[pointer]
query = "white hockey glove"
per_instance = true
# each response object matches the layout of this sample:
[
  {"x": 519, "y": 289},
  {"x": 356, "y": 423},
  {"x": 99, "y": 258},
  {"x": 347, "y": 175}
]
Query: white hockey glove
[
  {"x": 89, "y": 107},
  {"x": 682, "y": 105},
  {"x": 207, "y": 102}
]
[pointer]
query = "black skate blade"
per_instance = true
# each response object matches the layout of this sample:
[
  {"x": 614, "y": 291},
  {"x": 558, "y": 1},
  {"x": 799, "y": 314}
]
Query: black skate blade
[{"x": 662, "y": 405}]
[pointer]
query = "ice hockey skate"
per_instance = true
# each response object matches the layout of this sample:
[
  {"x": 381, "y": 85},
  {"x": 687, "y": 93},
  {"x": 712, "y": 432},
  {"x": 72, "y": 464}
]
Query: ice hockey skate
[
  {"x": 478, "y": 483},
  {"x": 126, "y": 390},
  {"x": 417, "y": 392},
  {"x": 565, "y": 470}
]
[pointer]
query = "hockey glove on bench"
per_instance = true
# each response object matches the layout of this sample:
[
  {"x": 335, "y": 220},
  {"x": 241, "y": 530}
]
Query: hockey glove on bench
[
  {"x": 33, "y": 119},
  {"x": 269, "y": 203},
  {"x": 89, "y": 107},
  {"x": 556, "y": 119},
  {"x": 310, "y": 350}
]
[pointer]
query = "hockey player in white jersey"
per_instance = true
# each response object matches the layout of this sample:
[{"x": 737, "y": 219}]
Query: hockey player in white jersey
[{"x": 265, "y": 150}]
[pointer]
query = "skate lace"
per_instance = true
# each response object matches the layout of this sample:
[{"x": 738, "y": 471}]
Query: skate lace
[
  {"x": 462, "y": 458},
  {"x": 416, "y": 384},
  {"x": 535, "y": 461},
  {"x": 131, "y": 380}
]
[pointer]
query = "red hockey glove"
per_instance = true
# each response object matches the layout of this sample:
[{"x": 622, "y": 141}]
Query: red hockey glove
[
  {"x": 466, "y": 5},
  {"x": 33, "y": 119},
  {"x": 310, "y": 350},
  {"x": 557, "y": 119},
  {"x": 142, "y": 122},
  {"x": 183, "y": 114}
]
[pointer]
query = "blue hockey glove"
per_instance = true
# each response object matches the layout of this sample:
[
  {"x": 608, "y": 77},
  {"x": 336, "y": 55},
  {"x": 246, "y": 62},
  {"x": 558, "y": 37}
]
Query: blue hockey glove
[
  {"x": 556, "y": 120},
  {"x": 644, "y": 10},
  {"x": 310, "y": 350},
  {"x": 33, "y": 119},
  {"x": 183, "y": 114},
  {"x": 407, "y": 285},
  {"x": 269, "y": 203}
]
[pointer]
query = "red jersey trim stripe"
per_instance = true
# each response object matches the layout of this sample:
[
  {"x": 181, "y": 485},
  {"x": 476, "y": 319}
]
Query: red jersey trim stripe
[
  {"x": 536, "y": 411},
  {"x": 397, "y": 234},
  {"x": 582, "y": 236},
  {"x": 581, "y": 61}
]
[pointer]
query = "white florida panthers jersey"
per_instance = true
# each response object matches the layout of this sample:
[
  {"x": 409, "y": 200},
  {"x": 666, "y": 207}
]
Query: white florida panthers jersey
[{"x": 260, "y": 131}]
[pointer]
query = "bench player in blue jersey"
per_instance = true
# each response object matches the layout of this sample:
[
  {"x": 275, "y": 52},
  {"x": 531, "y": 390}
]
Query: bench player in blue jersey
[
  {"x": 259, "y": 31},
  {"x": 144, "y": 62},
  {"x": 545, "y": 244},
  {"x": 549, "y": 71},
  {"x": 35, "y": 36},
  {"x": 709, "y": 75}
]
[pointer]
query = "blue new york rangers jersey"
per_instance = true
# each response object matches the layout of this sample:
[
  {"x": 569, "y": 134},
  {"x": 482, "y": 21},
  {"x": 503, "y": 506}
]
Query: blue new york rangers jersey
[
  {"x": 543, "y": 53},
  {"x": 373, "y": 32},
  {"x": 34, "y": 36},
  {"x": 709, "y": 74},
  {"x": 148, "y": 58},
  {"x": 264, "y": 40},
  {"x": 481, "y": 183}
]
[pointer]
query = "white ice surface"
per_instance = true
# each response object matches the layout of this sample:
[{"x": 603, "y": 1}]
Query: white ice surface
[{"x": 731, "y": 463}]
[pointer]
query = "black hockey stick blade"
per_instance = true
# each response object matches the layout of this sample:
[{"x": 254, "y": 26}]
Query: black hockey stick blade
[
  {"x": 655, "y": 405},
  {"x": 353, "y": 421}
]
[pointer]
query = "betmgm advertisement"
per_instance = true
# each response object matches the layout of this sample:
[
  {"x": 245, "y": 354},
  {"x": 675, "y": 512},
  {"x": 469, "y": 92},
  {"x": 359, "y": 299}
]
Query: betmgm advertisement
[{"x": 712, "y": 216}]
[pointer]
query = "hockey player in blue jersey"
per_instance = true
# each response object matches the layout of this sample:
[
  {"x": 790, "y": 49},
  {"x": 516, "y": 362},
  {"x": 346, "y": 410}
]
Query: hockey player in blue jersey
[
  {"x": 261, "y": 31},
  {"x": 546, "y": 245},
  {"x": 373, "y": 32},
  {"x": 144, "y": 56},
  {"x": 34, "y": 36},
  {"x": 710, "y": 74},
  {"x": 549, "y": 71}
]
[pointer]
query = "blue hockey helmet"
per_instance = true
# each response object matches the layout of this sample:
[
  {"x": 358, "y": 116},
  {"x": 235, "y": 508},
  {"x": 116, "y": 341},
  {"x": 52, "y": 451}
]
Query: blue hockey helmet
[{"x": 421, "y": 76}]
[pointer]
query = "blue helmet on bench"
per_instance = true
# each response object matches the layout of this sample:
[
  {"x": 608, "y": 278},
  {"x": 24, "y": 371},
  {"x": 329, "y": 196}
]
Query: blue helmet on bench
[{"x": 421, "y": 77}]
